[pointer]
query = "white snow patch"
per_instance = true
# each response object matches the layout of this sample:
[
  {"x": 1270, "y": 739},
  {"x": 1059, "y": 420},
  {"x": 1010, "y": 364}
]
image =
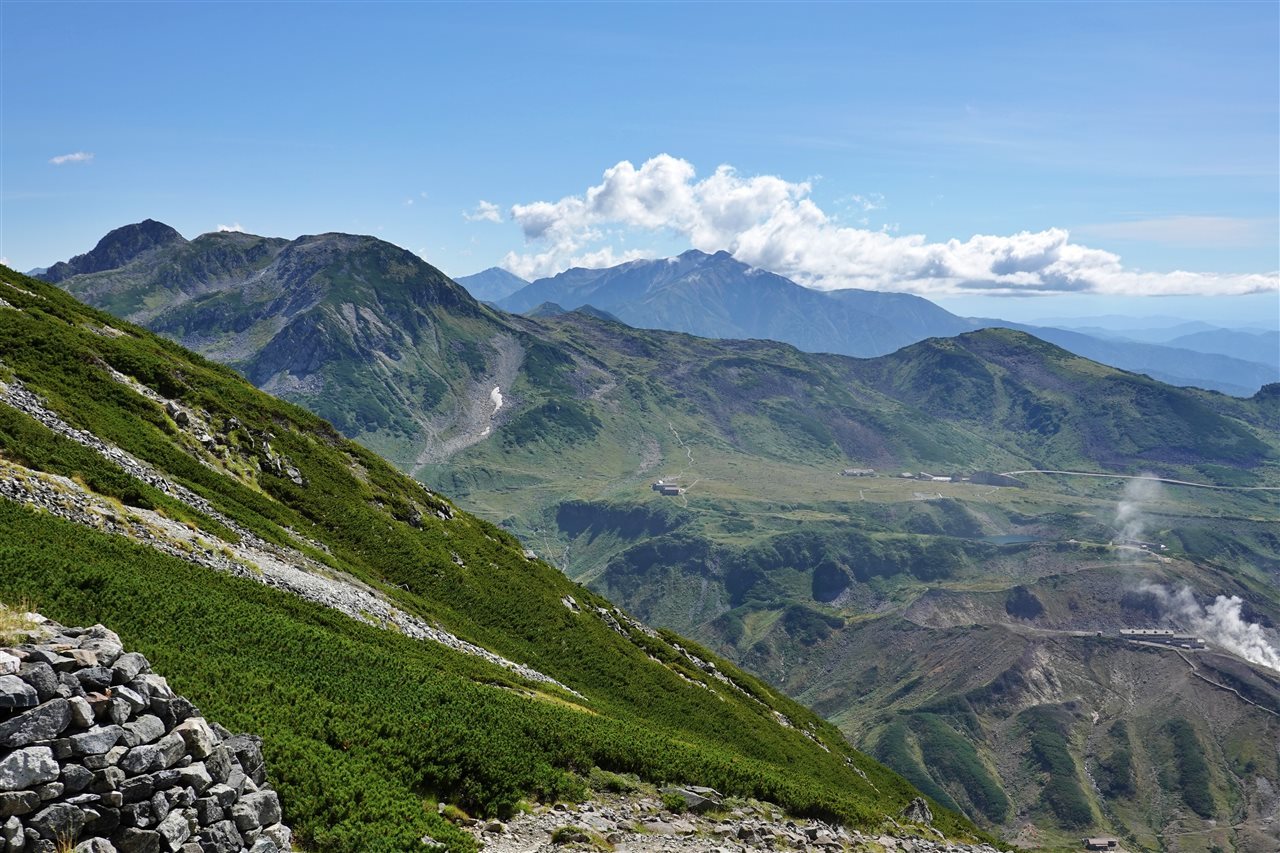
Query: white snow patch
[{"x": 496, "y": 396}]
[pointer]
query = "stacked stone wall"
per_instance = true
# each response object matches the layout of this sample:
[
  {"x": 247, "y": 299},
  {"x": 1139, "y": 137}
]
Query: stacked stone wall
[{"x": 99, "y": 755}]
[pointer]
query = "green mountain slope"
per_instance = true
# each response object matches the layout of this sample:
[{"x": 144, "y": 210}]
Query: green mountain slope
[
  {"x": 775, "y": 560},
  {"x": 151, "y": 464}
]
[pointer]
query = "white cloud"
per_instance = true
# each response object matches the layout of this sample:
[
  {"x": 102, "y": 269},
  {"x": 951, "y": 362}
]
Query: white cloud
[
  {"x": 76, "y": 157},
  {"x": 4, "y": 262},
  {"x": 773, "y": 223},
  {"x": 485, "y": 211},
  {"x": 235, "y": 226}
]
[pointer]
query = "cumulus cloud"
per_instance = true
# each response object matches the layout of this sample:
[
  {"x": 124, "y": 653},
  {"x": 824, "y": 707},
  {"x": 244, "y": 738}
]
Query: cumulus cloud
[
  {"x": 234, "y": 226},
  {"x": 485, "y": 211},
  {"x": 76, "y": 157},
  {"x": 769, "y": 222}
]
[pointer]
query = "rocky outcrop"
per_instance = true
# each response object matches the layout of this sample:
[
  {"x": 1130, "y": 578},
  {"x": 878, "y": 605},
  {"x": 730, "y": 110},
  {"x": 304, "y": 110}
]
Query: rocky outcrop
[
  {"x": 99, "y": 755},
  {"x": 115, "y": 250}
]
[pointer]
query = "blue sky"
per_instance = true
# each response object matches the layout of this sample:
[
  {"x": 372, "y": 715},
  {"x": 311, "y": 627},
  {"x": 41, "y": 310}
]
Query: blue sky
[{"x": 1128, "y": 141}]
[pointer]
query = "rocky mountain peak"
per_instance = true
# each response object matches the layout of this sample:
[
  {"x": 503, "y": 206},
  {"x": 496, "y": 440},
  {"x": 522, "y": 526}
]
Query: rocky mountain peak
[{"x": 116, "y": 249}]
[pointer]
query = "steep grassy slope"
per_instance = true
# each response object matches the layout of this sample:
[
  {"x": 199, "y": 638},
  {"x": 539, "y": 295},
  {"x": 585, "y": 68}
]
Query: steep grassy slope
[{"x": 365, "y": 727}]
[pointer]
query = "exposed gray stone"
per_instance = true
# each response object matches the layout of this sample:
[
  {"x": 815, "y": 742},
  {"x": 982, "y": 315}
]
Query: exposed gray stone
[
  {"x": 50, "y": 791},
  {"x": 81, "y": 712},
  {"x": 94, "y": 678},
  {"x": 16, "y": 693},
  {"x": 42, "y": 679},
  {"x": 142, "y": 759},
  {"x": 76, "y": 778},
  {"x": 95, "y": 845},
  {"x": 134, "y": 840},
  {"x": 138, "y": 788},
  {"x": 60, "y": 820},
  {"x": 255, "y": 810},
  {"x": 174, "y": 829},
  {"x": 18, "y": 802},
  {"x": 221, "y": 836},
  {"x": 96, "y": 741},
  {"x": 199, "y": 737},
  {"x": 128, "y": 666},
  {"x": 43, "y": 722},
  {"x": 146, "y": 729},
  {"x": 27, "y": 768}
]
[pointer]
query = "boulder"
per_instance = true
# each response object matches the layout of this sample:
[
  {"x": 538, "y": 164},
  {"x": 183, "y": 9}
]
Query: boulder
[
  {"x": 27, "y": 768},
  {"x": 43, "y": 722},
  {"x": 16, "y": 693}
]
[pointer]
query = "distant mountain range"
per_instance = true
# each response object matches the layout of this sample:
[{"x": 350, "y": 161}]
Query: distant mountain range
[
  {"x": 853, "y": 593},
  {"x": 492, "y": 284},
  {"x": 719, "y": 297}
]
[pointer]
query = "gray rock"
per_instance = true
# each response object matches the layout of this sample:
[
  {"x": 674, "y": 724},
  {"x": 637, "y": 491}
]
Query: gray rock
[
  {"x": 255, "y": 810},
  {"x": 96, "y": 741},
  {"x": 81, "y": 712},
  {"x": 142, "y": 759},
  {"x": 18, "y": 802},
  {"x": 11, "y": 831},
  {"x": 75, "y": 778},
  {"x": 198, "y": 736},
  {"x": 146, "y": 729},
  {"x": 138, "y": 815},
  {"x": 138, "y": 788},
  {"x": 16, "y": 693},
  {"x": 60, "y": 820},
  {"x": 106, "y": 779},
  {"x": 135, "y": 700},
  {"x": 95, "y": 845},
  {"x": 174, "y": 829},
  {"x": 224, "y": 794},
  {"x": 128, "y": 666},
  {"x": 44, "y": 722},
  {"x": 195, "y": 777},
  {"x": 134, "y": 840},
  {"x": 94, "y": 678},
  {"x": 42, "y": 678},
  {"x": 107, "y": 650},
  {"x": 50, "y": 791},
  {"x": 280, "y": 834},
  {"x": 27, "y": 768},
  {"x": 119, "y": 711},
  {"x": 220, "y": 763},
  {"x": 694, "y": 801},
  {"x": 222, "y": 837},
  {"x": 917, "y": 811},
  {"x": 160, "y": 806},
  {"x": 208, "y": 811},
  {"x": 264, "y": 845}
]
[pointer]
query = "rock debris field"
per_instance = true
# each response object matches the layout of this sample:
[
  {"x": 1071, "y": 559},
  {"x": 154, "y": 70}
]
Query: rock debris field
[{"x": 635, "y": 823}]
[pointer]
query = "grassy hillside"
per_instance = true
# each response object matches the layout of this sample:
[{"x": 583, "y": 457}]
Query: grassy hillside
[{"x": 366, "y": 729}]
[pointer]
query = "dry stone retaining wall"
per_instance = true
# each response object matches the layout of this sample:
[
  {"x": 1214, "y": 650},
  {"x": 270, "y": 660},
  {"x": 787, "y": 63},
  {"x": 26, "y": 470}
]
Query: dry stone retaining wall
[{"x": 98, "y": 755}]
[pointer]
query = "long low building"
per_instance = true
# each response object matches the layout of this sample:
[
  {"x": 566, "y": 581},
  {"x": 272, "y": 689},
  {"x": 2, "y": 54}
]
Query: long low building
[{"x": 1163, "y": 637}]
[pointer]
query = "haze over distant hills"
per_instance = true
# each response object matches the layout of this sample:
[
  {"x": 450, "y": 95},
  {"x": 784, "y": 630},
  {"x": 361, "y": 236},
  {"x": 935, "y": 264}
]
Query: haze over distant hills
[
  {"x": 492, "y": 284},
  {"x": 720, "y": 297}
]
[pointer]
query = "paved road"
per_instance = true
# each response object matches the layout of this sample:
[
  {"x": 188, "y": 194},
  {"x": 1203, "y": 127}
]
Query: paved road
[{"x": 1153, "y": 479}]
